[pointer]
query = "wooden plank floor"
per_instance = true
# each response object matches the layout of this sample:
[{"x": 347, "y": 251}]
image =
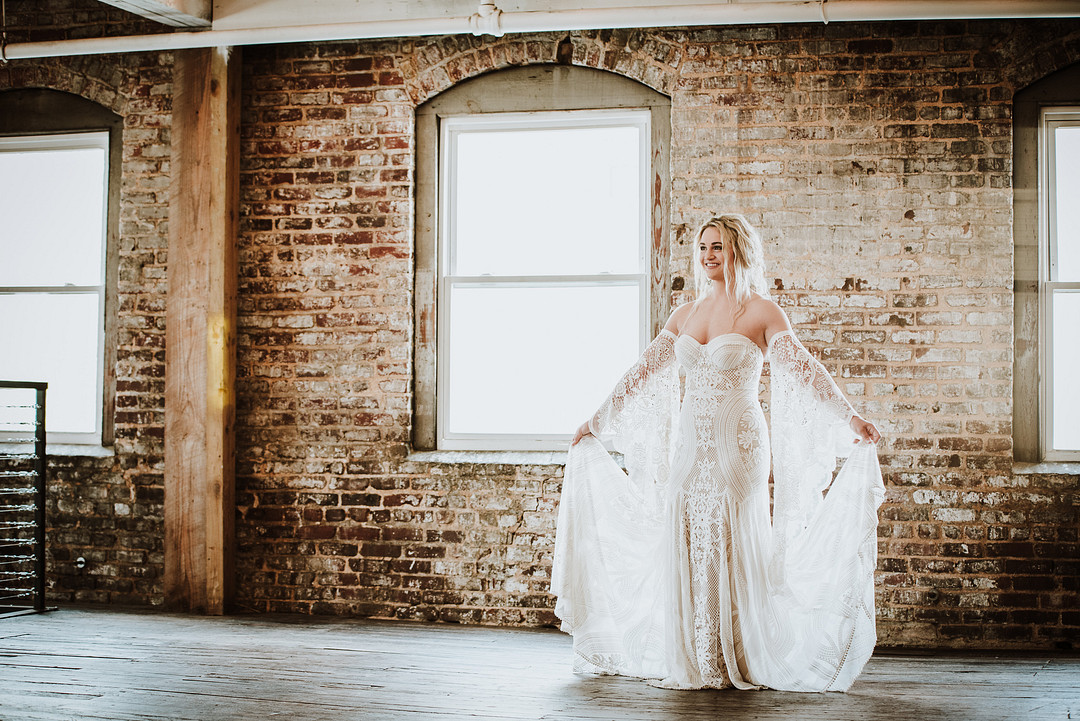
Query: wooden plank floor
[{"x": 120, "y": 665}]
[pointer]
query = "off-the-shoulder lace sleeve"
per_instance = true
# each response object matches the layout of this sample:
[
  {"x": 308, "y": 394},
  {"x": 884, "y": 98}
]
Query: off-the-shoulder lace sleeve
[
  {"x": 809, "y": 418},
  {"x": 790, "y": 356},
  {"x": 656, "y": 357}
]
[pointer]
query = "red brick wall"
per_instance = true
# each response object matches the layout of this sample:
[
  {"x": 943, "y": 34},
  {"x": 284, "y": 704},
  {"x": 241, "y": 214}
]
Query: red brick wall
[
  {"x": 876, "y": 158},
  {"x": 108, "y": 510}
]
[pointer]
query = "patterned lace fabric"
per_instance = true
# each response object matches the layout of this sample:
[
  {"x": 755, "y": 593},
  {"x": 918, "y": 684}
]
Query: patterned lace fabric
[
  {"x": 802, "y": 373},
  {"x": 641, "y": 415},
  {"x": 656, "y": 357},
  {"x": 672, "y": 571},
  {"x": 810, "y": 419}
]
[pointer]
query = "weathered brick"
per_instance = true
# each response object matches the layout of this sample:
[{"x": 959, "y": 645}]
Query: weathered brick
[{"x": 877, "y": 167}]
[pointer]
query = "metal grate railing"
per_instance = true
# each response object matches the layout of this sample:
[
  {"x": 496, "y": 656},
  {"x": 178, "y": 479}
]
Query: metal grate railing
[{"x": 22, "y": 497}]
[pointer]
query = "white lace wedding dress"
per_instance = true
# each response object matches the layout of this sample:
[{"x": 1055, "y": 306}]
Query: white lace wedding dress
[{"x": 673, "y": 571}]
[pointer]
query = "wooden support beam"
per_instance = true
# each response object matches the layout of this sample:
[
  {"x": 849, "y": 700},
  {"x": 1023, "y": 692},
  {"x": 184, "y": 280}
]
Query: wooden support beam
[
  {"x": 177, "y": 13},
  {"x": 200, "y": 317}
]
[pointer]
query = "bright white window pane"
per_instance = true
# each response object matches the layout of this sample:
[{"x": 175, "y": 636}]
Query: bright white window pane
[
  {"x": 1067, "y": 192},
  {"x": 54, "y": 338},
  {"x": 536, "y": 360},
  {"x": 52, "y": 206},
  {"x": 1066, "y": 384},
  {"x": 548, "y": 201}
]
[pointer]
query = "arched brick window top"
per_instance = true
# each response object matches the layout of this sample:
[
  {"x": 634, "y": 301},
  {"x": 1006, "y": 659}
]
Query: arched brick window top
[{"x": 650, "y": 57}]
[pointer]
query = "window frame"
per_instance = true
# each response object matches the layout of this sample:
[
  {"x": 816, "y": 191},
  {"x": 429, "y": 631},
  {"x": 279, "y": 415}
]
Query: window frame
[
  {"x": 44, "y": 111},
  {"x": 1050, "y": 118},
  {"x": 98, "y": 140},
  {"x": 450, "y": 129},
  {"x": 526, "y": 89}
]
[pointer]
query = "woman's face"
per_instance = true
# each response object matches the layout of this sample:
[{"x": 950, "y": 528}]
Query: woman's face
[{"x": 714, "y": 254}]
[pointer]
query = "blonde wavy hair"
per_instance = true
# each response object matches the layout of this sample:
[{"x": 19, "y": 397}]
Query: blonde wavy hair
[{"x": 747, "y": 274}]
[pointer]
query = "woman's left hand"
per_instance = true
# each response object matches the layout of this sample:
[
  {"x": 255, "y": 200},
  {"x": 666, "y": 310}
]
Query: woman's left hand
[
  {"x": 865, "y": 430},
  {"x": 581, "y": 432}
]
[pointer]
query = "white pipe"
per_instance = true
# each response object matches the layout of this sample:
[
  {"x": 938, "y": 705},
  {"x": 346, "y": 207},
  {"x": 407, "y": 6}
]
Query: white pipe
[
  {"x": 496, "y": 22},
  {"x": 810, "y": 11},
  {"x": 226, "y": 38}
]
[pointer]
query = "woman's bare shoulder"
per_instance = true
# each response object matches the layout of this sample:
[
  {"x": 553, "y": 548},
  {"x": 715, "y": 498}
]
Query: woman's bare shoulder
[
  {"x": 679, "y": 316},
  {"x": 765, "y": 308},
  {"x": 768, "y": 315}
]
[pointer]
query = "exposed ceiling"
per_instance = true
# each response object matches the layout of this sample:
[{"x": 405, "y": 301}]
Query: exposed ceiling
[{"x": 217, "y": 23}]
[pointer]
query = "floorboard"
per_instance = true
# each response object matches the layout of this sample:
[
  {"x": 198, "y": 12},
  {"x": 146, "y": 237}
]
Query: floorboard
[{"x": 103, "y": 664}]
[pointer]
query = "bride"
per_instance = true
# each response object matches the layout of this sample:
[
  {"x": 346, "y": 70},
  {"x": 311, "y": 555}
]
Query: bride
[{"x": 673, "y": 570}]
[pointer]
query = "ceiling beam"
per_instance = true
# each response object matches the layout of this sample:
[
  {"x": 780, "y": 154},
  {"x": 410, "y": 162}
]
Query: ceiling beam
[
  {"x": 492, "y": 21},
  {"x": 176, "y": 13}
]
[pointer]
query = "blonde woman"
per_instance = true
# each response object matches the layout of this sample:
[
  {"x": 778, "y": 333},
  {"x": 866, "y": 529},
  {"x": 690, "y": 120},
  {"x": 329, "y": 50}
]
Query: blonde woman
[{"x": 675, "y": 570}]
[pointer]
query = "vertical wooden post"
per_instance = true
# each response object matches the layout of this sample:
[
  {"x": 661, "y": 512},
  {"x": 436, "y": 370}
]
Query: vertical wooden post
[{"x": 200, "y": 316}]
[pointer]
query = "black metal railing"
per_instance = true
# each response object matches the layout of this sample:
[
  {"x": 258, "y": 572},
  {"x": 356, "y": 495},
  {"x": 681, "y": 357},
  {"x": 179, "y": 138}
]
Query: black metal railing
[{"x": 22, "y": 497}]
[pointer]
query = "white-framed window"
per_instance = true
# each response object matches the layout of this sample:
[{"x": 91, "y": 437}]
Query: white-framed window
[
  {"x": 53, "y": 229},
  {"x": 544, "y": 271},
  {"x": 1059, "y": 283}
]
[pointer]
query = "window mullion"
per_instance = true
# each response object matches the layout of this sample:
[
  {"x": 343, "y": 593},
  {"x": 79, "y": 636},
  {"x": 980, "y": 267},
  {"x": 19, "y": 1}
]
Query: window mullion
[
  {"x": 52, "y": 289},
  {"x": 544, "y": 280},
  {"x": 1051, "y": 286}
]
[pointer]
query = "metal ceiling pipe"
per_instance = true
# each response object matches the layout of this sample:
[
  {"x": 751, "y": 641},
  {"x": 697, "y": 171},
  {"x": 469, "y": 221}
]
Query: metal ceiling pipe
[{"x": 494, "y": 22}]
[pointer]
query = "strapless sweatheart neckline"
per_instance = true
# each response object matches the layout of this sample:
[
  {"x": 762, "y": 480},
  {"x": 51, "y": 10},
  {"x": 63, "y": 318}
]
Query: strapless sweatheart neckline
[{"x": 722, "y": 336}]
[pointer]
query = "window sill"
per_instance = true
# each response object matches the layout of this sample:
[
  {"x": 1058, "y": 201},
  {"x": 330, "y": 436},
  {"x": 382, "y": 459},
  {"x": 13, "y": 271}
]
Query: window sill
[
  {"x": 59, "y": 450},
  {"x": 77, "y": 450},
  {"x": 1068, "y": 468},
  {"x": 510, "y": 458}
]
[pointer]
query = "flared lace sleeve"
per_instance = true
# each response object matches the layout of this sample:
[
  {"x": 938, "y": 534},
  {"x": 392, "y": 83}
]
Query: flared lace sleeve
[
  {"x": 815, "y": 538},
  {"x": 797, "y": 366},
  {"x": 610, "y": 549},
  {"x": 640, "y": 416},
  {"x": 809, "y": 417},
  {"x": 658, "y": 356}
]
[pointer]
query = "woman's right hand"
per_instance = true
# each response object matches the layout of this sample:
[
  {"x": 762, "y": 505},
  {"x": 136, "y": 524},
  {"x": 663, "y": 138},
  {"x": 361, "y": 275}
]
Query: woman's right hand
[
  {"x": 864, "y": 429},
  {"x": 581, "y": 432}
]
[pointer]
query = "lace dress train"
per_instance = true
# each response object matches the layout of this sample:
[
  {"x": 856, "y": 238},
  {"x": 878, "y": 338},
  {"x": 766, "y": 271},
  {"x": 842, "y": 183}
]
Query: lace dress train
[{"x": 674, "y": 571}]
